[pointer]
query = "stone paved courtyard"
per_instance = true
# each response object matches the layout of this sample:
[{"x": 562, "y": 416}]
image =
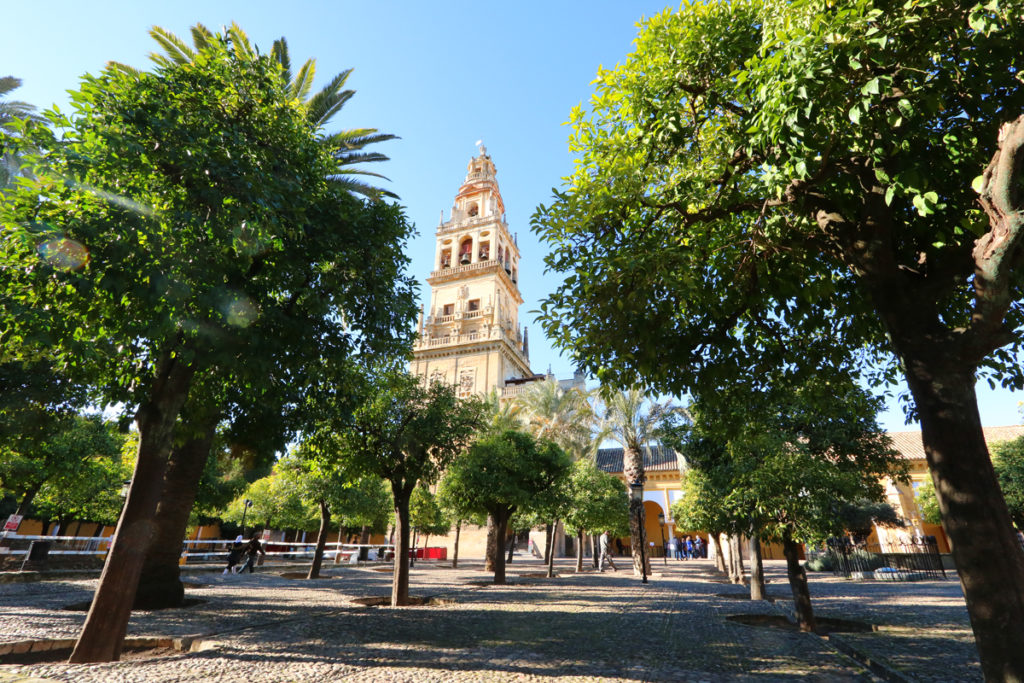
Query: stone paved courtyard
[{"x": 592, "y": 626}]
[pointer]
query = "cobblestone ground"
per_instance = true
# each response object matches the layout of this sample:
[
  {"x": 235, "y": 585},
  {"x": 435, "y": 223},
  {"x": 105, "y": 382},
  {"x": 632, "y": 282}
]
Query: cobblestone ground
[{"x": 577, "y": 627}]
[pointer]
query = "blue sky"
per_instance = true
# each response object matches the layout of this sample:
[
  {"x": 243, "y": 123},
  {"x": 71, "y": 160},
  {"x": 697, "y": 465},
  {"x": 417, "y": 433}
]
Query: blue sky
[{"x": 441, "y": 75}]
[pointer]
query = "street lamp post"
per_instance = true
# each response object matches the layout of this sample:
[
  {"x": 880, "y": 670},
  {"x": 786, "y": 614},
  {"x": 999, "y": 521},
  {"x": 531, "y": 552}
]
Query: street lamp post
[
  {"x": 661, "y": 524},
  {"x": 245, "y": 508},
  {"x": 637, "y": 488}
]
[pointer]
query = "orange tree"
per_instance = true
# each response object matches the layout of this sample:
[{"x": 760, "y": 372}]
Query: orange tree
[
  {"x": 845, "y": 170},
  {"x": 180, "y": 234}
]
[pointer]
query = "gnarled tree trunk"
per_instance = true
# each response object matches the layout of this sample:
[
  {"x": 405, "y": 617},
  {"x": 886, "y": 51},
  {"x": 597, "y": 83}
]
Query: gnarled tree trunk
[
  {"x": 798, "y": 584},
  {"x": 737, "y": 554},
  {"x": 160, "y": 584},
  {"x": 103, "y": 633},
  {"x": 715, "y": 541},
  {"x": 989, "y": 559}
]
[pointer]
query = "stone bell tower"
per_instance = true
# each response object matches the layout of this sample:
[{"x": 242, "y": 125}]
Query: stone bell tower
[{"x": 471, "y": 336}]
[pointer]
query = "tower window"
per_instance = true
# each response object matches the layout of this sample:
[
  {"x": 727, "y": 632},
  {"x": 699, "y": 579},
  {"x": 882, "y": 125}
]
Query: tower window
[
  {"x": 446, "y": 258},
  {"x": 466, "y": 251},
  {"x": 485, "y": 251},
  {"x": 473, "y": 210},
  {"x": 449, "y": 309},
  {"x": 473, "y": 305}
]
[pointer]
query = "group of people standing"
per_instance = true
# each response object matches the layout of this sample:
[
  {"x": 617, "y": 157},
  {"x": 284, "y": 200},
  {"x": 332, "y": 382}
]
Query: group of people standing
[{"x": 686, "y": 547}]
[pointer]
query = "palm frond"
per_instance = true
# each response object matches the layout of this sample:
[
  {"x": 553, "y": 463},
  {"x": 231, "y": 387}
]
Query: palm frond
[
  {"x": 176, "y": 48},
  {"x": 124, "y": 68},
  {"x": 303, "y": 81},
  {"x": 357, "y": 138},
  {"x": 346, "y": 158},
  {"x": 329, "y": 100},
  {"x": 202, "y": 37},
  {"x": 346, "y": 182},
  {"x": 279, "y": 51},
  {"x": 343, "y": 171},
  {"x": 9, "y": 84},
  {"x": 240, "y": 42}
]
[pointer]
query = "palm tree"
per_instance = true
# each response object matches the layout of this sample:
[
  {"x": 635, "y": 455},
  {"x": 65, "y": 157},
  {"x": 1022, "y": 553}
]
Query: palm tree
[
  {"x": 346, "y": 146},
  {"x": 501, "y": 416},
  {"x": 11, "y": 111},
  {"x": 633, "y": 420},
  {"x": 560, "y": 415}
]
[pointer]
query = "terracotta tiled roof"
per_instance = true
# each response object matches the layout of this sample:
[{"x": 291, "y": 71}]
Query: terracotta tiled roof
[
  {"x": 910, "y": 447},
  {"x": 659, "y": 459}
]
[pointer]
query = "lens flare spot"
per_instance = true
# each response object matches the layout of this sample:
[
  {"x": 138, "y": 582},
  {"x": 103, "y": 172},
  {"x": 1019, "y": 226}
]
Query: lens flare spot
[
  {"x": 63, "y": 253},
  {"x": 240, "y": 312}
]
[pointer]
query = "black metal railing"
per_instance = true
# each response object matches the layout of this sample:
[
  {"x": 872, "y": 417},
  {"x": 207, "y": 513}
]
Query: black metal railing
[{"x": 892, "y": 561}]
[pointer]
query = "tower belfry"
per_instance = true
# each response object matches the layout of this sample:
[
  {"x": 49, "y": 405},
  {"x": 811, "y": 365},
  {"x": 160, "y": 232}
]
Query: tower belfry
[{"x": 471, "y": 336}]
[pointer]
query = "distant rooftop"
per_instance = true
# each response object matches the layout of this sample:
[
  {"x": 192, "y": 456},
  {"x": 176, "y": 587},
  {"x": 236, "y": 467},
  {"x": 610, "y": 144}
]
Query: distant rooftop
[
  {"x": 910, "y": 446},
  {"x": 663, "y": 459},
  {"x": 659, "y": 459}
]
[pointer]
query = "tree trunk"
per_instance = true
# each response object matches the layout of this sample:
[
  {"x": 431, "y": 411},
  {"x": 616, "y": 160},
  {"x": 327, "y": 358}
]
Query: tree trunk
[
  {"x": 633, "y": 469},
  {"x": 26, "y": 500},
  {"x": 757, "y": 591},
  {"x": 103, "y": 633},
  {"x": 455, "y": 551},
  {"x": 988, "y": 557},
  {"x": 579, "y": 551},
  {"x": 798, "y": 584},
  {"x": 593, "y": 551},
  {"x": 549, "y": 534},
  {"x": 491, "y": 552},
  {"x": 737, "y": 554},
  {"x": 321, "y": 541},
  {"x": 511, "y": 548},
  {"x": 500, "y": 525},
  {"x": 160, "y": 585},
  {"x": 715, "y": 541},
  {"x": 400, "y": 583},
  {"x": 551, "y": 555}
]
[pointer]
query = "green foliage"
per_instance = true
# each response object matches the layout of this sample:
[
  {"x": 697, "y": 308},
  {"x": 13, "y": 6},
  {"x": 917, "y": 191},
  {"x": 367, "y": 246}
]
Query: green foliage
[
  {"x": 94, "y": 463},
  {"x": 74, "y": 471},
  {"x": 597, "y": 501},
  {"x": 859, "y": 516},
  {"x": 762, "y": 180},
  {"x": 927, "y": 503},
  {"x": 1008, "y": 460},
  {"x": 790, "y": 461},
  {"x": 187, "y": 215},
  {"x": 505, "y": 472},
  {"x": 560, "y": 415},
  {"x": 824, "y": 562},
  {"x": 426, "y": 515},
  {"x": 408, "y": 433},
  {"x": 277, "y": 502}
]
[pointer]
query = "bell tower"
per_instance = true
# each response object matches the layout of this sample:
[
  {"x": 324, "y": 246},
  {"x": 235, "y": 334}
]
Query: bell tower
[{"x": 471, "y": 336}]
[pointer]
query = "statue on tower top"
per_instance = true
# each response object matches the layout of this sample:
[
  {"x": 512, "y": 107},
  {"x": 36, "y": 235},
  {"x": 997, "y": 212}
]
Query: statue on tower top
[{"x": 481, "y": 148}]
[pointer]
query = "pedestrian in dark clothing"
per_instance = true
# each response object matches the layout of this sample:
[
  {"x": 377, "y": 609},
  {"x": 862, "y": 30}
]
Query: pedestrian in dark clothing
[
  {"x": 234, "y": 555},
  {"x": 689, "y": 548},
  {"x": 252, "y": 549}
]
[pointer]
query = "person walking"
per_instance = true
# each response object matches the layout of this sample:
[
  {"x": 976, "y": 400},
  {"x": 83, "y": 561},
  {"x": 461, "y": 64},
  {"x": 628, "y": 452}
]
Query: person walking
[
  {"x": 252, "y": 549},
  {"x": 234, "y": 555},
  {"x": 606, "y": 555},
  {"x": 698, "y": 547},
  {"x": 678, "y": 548},
  {"x": 689, "y": 548}
]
